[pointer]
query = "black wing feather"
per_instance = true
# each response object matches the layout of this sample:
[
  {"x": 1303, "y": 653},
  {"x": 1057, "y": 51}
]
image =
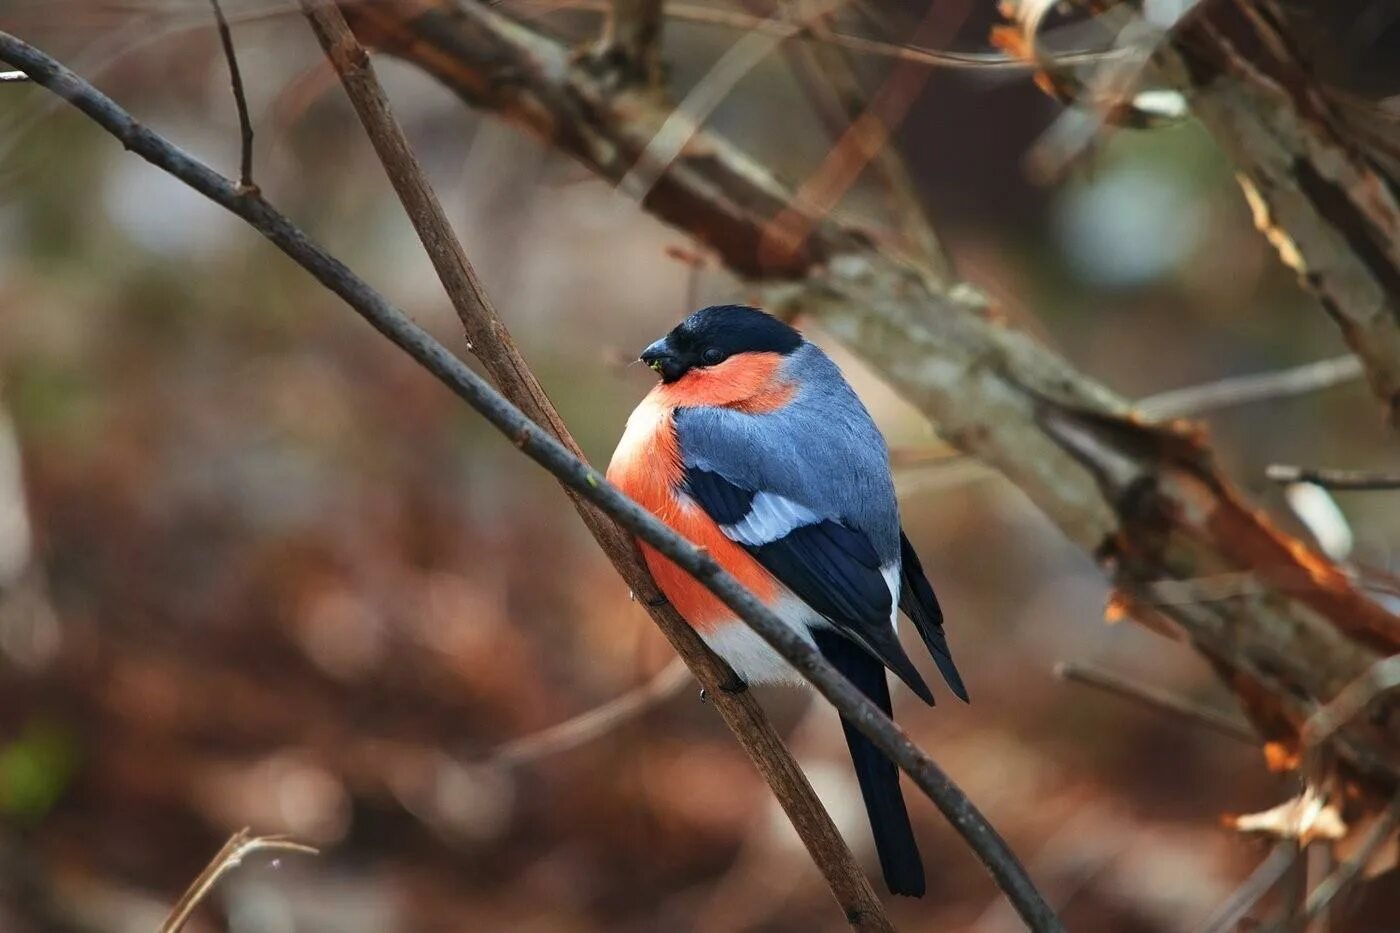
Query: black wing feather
[
  {"x": 918, "y": 602},
  {"x": 832, "y": 568}
]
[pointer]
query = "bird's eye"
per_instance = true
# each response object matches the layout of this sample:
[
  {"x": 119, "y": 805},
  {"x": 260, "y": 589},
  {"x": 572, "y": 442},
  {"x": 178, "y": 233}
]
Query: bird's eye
[{"x": 712, "y": 356}]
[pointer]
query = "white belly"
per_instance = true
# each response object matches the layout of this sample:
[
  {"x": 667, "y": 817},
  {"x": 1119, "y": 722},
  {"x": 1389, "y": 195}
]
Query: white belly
[
  {"x": 751, "y": 657},
  {"x": 754, "y": 660}
]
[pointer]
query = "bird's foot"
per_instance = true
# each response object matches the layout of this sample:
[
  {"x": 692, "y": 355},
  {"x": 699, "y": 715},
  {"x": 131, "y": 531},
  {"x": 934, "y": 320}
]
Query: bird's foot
[{"x": 734, "y": 686}]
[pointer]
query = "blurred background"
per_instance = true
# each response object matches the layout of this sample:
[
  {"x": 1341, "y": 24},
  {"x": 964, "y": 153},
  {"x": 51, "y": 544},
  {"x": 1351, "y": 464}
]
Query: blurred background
[{"x": 258, "y": 569}]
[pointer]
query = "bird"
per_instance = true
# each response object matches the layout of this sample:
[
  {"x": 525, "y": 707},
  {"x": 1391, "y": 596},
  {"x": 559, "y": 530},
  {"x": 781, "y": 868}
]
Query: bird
[{"x": 754, "y": 446}]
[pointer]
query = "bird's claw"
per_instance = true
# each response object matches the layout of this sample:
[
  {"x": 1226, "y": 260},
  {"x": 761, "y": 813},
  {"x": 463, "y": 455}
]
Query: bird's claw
[{"x": 733, "y": 687}]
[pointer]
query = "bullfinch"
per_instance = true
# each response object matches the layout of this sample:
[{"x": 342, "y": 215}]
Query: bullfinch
[{"x": 754, "y": 446}]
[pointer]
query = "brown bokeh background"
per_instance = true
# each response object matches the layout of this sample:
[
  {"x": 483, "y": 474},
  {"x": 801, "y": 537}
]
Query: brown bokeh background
[{"x": 258, "y": 569}]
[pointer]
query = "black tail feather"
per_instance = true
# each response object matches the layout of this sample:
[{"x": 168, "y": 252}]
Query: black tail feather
[
  {"x": 877, "y": 775},
  {"x": 918, "y": 602}
]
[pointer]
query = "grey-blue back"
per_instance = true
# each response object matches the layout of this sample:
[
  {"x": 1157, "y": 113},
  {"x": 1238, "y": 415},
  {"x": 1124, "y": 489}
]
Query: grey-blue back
[{"x": 821, "y": 449}]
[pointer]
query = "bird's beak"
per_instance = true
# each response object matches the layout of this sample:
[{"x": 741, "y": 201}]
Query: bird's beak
[{"x": 661, "y": 358}]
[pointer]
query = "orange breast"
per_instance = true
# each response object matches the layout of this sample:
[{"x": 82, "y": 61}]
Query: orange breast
[{"x": 647, "y": 466}]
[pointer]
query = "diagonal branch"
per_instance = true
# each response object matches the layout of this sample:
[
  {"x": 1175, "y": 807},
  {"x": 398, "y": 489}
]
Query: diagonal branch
[
  {"x": 1346, "y": 874},
  {"x": 542, "y": 447},
  {"x": 1156, "y": 698},
  {"x": 587, "y": 726}
]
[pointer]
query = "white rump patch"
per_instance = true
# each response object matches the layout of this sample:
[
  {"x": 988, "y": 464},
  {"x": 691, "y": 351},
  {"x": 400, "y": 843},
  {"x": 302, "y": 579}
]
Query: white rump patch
[
  {"x": 751, "y": 657},
  {"x": 770, "y": 518},
  {"x": 891, "y": 574}
]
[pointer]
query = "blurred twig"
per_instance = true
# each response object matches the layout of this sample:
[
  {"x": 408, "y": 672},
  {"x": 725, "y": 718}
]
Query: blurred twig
[
  {"x": 1341, "y": 480},
  {"x": 1270, "y": 872},
  {"x": 1252, "y": 387},
  {"x": 1158, "y": 699},
  {"x": 239, "y": 846},
  {"x": 596, "y": 722},
  {"x": 866, "y": 139},
  {"x": 1196, "y": 399},
  {"x": 685, "y": 119},
  {"x": 1347, "y": 873},
  {"x": 1355, "y": 698},
  {"x": 828, "y": 74},
  {"x": 245, "y": 123},
  {"x": 747, "y": 22}
]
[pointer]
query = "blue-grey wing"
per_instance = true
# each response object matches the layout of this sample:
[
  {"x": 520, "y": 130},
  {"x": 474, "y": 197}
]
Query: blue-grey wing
[{"x": 791, "y": 505}]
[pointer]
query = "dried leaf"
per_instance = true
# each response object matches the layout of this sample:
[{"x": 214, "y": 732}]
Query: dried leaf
[
  {"x": 1116, "y": 610},
  {"x": 1306, "y": 817},
  {"x": 1281, "y": 757}
]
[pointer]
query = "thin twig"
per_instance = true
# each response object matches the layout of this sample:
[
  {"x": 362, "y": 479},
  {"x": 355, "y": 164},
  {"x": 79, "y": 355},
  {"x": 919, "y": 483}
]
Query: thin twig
[
  {"x": 585, "y": 727},
  {"x": 1158, "y": 699},
  {"x": 245, "y": 124},
  {"x": 1347, "y": 873},
  {"x": 239, "y": 846},
  {"x": 700, "y": 101},
  {"x": 827, "y": 64},
  {"x": 1355, "y": 698},
  {"x": 1204, "y": 397},
  {"x": 1293, "y": 893},
  {"x": 1227, "y": 916},
  {"x": 1254, "y": 387},
  {"x": 1339, "y": 480},
  {"x": 868, "y": 134},
  {"x": 932, "y": 58}
]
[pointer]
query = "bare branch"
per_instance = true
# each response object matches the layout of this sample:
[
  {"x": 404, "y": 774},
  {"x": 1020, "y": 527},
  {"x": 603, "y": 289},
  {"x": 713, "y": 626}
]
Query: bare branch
[
  {"x": 904, "y": 52},
  {"x": 245, "y": 123},
  {"x": 1381, "y": 679},
  {"x": 584, "y": 481},
  {"x": 1270, "y": 872},
  {"x": 239, "y": 846},
  {"x": 1198, "y": 399},
  {"x": 828, "y": 74},
  {"x": 1340, "y": 480},
  {"x": 1251, "y": 388},
  {"x": 684, "y": 121},
  {"x": 866, "y": 139},
  {"x": 1347, "y": 873},
  {"x": 1158, "y": 699},
  {"x": 596, "y": 722}
]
